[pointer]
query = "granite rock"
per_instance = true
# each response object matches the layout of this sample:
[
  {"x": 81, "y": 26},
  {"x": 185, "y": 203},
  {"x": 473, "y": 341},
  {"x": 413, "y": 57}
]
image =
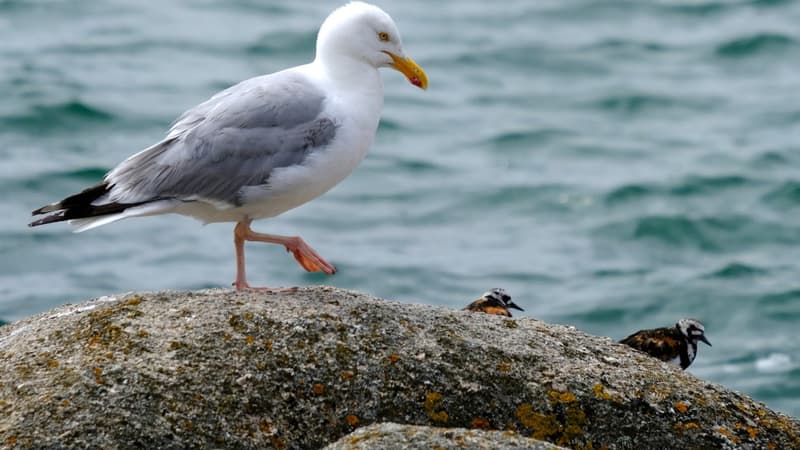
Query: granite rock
[
  {"x": 220, "y": 369},
  {"x": 393, "y": 436}
]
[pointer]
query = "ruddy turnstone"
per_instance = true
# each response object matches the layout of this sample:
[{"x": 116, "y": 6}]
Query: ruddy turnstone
[
  {"x": 497, "y": 301},
  {"x": 675, "y": 345}
]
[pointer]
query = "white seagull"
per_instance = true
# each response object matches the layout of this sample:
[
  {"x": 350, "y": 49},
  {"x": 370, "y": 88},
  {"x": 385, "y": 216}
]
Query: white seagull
[{"x": 263, "y": 146}]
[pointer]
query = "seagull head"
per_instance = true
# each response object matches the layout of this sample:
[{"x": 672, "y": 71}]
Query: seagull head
[{"x": 366, "y": 33}]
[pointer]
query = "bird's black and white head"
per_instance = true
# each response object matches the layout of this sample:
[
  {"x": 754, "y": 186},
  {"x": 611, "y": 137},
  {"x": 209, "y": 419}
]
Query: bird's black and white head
[
  {"x": 502, "y": 298},
  {"x": 692, "y": 330},
  {"x": 363, "y": 32}
]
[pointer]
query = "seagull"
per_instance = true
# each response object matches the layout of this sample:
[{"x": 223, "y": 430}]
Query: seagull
[{"x": 263, "y": 146}]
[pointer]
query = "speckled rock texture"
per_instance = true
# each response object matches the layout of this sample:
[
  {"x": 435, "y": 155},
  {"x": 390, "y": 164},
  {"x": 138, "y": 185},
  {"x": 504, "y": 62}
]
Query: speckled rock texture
[
  {"x": 393, "y": 436},
  {"x": 219, "y": 369}
]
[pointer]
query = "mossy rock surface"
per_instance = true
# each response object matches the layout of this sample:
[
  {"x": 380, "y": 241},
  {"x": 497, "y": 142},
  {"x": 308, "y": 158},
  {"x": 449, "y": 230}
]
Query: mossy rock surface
[
  {"x": 219, "y": 369},
  {"x": 393, "y": 436}
]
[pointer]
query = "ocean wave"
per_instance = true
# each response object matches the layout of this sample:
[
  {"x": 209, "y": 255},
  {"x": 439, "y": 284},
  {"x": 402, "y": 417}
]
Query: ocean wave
[
  {"x": 770, "y": 159},
  {"x": 697, "y": 9},
  {"x": 787, "y": 195},
  {"x": 774, "y": 363},
  {"x": 536, "y": 59},
  {"x": 635, "y": 103},
  {"x": 743, "y": 47},
  {"x": 518, "y": 195},
  {"x": 630, "y": 193},
  {"x": 710, "y": 233},
  {"x": 527, "y": 139},
  {"x": 736, "y": 270},
  {"x": 69, "y": 114},
  {"x": 626, "y": 45},
  {"x": 674, "y": 230},
  {"x": 700, "y": 185},
  {"x": 692, "y": 185},
  {"x": 784, "y": 298},
  {"x": 283, "y": 43}
]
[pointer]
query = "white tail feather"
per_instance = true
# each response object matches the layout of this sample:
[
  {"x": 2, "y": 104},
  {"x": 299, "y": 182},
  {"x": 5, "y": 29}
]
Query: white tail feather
[{"x": 149, "y": 209}]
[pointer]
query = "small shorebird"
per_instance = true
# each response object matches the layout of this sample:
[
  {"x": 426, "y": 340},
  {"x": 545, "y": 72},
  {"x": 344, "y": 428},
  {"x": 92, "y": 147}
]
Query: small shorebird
[
  {"x": 497, "y": 301},
  {"x": 676, "y": 345}
]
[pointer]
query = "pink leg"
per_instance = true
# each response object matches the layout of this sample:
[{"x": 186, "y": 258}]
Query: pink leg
[{"x": 303, "y": 253}]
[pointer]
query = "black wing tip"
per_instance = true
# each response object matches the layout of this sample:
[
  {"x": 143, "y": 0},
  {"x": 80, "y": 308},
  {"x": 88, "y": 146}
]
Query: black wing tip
[
  {"x": 57, "y": 217},
  {"x": 44, "y": 209}
]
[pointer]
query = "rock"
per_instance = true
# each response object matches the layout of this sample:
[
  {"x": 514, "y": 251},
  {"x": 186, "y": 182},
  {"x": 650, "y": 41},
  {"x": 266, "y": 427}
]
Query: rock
[
  {"x": 219, "y": 369},
  {"x": 393, "y": 436}
]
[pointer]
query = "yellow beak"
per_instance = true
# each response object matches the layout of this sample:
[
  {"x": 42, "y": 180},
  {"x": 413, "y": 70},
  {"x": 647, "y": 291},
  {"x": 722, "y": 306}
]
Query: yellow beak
[{"x": 410, "y": 69}]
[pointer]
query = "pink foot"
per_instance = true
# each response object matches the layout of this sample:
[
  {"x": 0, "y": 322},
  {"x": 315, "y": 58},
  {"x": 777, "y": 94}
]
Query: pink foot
[{"x": 308, "y": 257}]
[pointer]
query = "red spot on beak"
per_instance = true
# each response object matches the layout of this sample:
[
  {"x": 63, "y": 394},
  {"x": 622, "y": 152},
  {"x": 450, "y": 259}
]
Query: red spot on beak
[{"x": 416, "y": 82}]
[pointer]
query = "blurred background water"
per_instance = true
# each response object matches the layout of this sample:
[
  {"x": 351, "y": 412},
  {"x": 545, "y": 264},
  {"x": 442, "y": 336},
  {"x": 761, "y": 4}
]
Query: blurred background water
[{"x": 615, "y": 165}]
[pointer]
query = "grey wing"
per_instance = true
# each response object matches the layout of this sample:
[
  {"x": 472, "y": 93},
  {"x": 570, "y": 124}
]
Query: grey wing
[{"x": 234, "y": 140}]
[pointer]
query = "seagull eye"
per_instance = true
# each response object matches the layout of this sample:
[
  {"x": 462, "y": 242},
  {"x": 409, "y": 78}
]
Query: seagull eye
[{"x": 383, "y": 36}]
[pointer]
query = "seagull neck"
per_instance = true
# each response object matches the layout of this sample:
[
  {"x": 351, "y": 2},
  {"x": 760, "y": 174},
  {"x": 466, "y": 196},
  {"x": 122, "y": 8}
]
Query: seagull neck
[{"x": 351, "y": 74}]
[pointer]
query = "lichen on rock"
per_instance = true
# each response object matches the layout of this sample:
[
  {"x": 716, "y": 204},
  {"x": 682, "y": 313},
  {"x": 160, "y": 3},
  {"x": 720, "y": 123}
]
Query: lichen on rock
[{"x": 234, "y": 370}]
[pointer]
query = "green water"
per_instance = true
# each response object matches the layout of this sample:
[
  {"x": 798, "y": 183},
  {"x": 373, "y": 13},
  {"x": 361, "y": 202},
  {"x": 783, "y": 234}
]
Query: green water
[{"x": 614, "y": 165}]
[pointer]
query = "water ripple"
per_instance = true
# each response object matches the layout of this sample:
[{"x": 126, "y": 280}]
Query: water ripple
[
  {"x": 56, "y": 117},
  {"x": 736, "y": 270},
  {"x": 631, "y": 104},
  {"x": 787, "y": 195},
  {"x": 711, "y": 233},
  {"x": 693, "y": 185},
  {"x": 761, "y": 43}
]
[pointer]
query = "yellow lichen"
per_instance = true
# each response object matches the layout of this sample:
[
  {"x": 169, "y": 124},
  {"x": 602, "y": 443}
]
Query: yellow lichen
[
  {"x": 439, "y": 416},
  {"x": 133, "y": 301},
  {"x": 393, "y": 358},
  {"x": 433, "y": 402},
  {"x": 681, "y": 407},
  {"x": 541, "y": 425},
  {"x": 94, "y": 340},
  {"x": 562, "y": 397},
  {"x": 347, "y": 374},
  {"x": 742, "y": 407},
  {"x": 278, "y": 443},
  {"x": 562, "y": 431},
  {"x": 249, "y": 339},
  {"x": 481, "y": 423},
  {"x": 504, "y": 366},
  {"x": 682, "y": 427},
  {"x": 352, "y": 420},
  {"x": 318, "y": 389},
  {"x": 601, "y": 393},
  {"x": 728, "y": 434},
  {"x": 98, "y": 375}
]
